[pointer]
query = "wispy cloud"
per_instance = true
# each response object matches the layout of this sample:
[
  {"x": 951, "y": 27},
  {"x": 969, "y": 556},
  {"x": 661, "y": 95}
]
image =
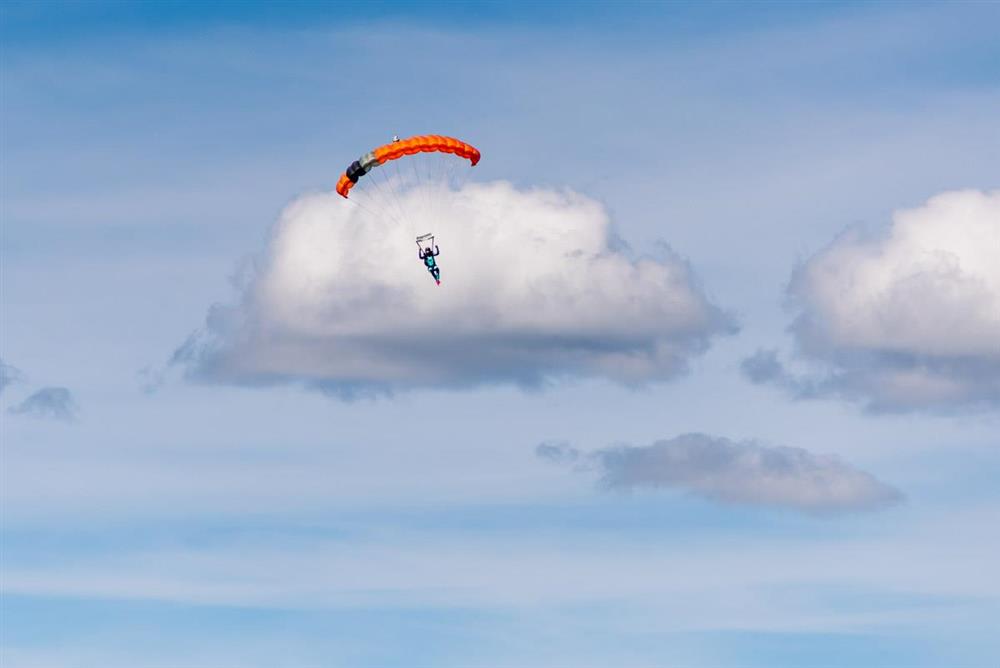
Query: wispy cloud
[
  {"x": 54, "y": 403},
  {"x": 9, "y": 375},
  {"x": 743, "y": 472}
]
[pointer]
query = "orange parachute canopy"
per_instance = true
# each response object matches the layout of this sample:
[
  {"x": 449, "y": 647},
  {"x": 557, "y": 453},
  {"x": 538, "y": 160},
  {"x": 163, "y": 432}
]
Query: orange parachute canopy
[{"x": 397, "y": 149}]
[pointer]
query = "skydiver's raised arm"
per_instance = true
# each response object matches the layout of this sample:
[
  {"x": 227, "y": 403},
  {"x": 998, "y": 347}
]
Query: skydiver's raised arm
[{"x": 437, "y": 251}]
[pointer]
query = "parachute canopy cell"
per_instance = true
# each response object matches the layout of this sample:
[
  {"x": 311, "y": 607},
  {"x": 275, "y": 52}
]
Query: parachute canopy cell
[{"x": 397, "y": 149}]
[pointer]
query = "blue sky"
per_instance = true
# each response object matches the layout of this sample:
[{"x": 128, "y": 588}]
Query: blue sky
[{"x": 161, "y": 158}]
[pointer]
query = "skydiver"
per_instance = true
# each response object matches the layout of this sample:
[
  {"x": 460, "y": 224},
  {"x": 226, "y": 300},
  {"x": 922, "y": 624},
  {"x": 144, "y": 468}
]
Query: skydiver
[{"x": 428, "y": 257}]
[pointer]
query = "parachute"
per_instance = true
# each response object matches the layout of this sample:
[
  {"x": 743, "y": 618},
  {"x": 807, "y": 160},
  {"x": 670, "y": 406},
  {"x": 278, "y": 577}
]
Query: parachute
[
  {"x": 418, "y": 193},
  {"x": 400, "y": 147}
]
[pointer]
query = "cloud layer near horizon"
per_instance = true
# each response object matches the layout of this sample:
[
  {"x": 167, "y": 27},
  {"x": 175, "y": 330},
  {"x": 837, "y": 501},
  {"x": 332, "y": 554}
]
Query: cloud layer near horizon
[
  {"x": 741, "y": 473},
  {"x": 906, "y": 321},
  {"x": 534, "y": 289}
]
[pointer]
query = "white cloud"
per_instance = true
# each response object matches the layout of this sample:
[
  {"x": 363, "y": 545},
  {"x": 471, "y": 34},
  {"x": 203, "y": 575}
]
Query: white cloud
[
  {"x": 738, "y": 473},
  {"x": 930, "y": 287},
  {"x": 908, "y": 320},
  {"x": 532, "y": 290}
]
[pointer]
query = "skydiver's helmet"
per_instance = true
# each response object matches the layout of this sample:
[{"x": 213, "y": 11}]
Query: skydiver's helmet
[{"x": 427, "y": 251}]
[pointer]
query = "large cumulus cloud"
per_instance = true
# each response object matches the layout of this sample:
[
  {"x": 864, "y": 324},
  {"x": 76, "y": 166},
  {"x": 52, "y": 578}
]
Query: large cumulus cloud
[
  {"x": 534, "y": 289},
  {"x": 909, "y": 320}
]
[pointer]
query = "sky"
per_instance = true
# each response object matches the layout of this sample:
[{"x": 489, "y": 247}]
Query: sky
[{"x": 712, "y": 378}]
